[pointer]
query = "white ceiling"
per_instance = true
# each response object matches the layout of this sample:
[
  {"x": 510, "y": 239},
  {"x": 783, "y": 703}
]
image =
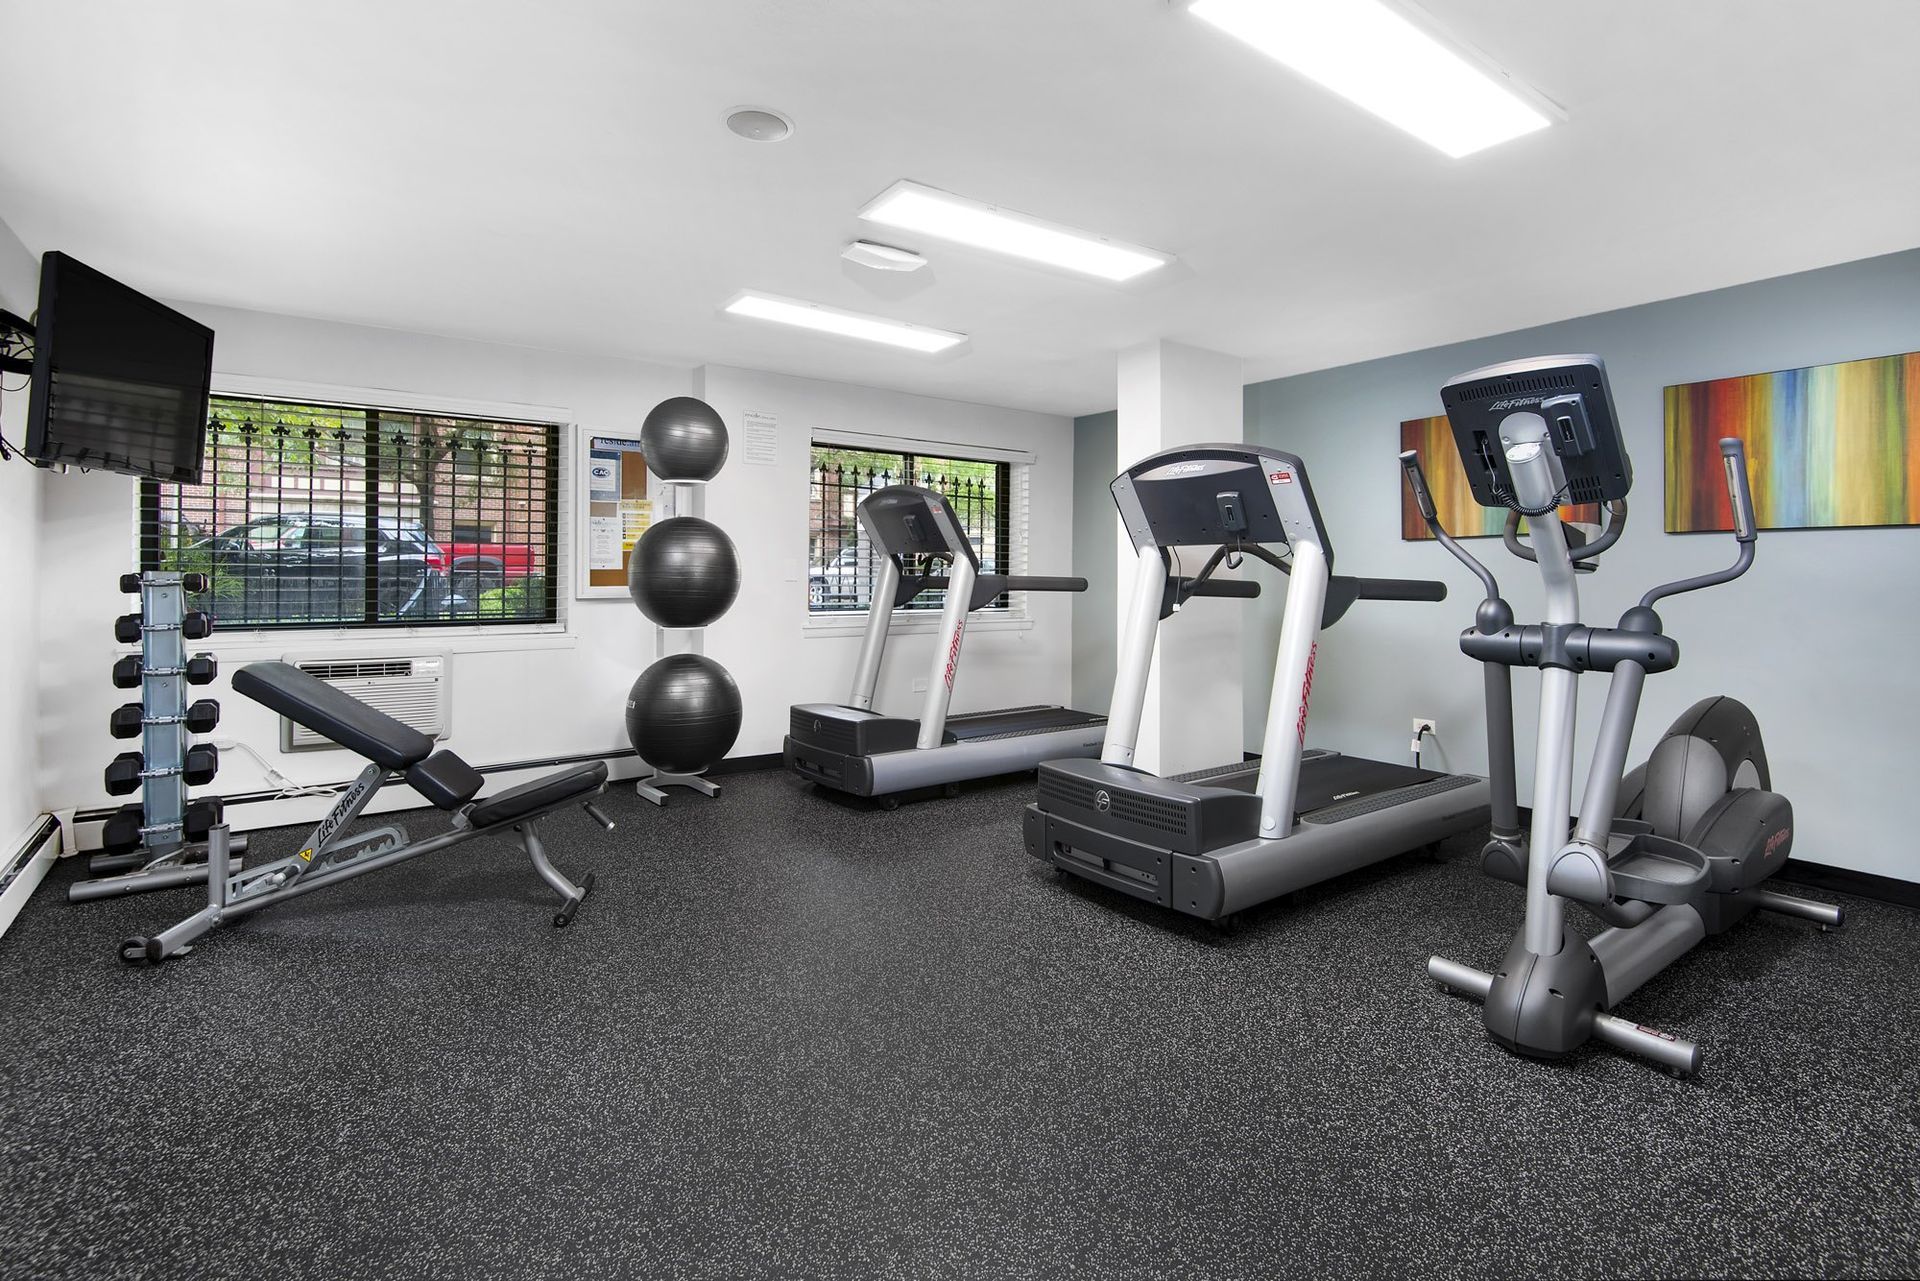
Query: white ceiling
[{"x": 556, "y": 174}]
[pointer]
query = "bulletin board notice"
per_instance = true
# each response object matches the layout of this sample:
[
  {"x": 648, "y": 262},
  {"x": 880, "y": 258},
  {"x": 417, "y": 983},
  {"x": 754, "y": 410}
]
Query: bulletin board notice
[{"x": 618, "y": 510}]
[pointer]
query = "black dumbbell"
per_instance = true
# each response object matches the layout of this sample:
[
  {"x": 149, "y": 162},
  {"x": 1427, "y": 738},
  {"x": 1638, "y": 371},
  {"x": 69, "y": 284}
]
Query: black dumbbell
[
  {"x": 130, "y": 584},
  {"x": 121, "y": 831},
  {"x": 195, "y": 625},
  {"x": 203, "y": 762},
  {"x": 127, "y": 720},
  {"x": 123, "y": 774},
  {"x": 202, "y": 715},
  {"x": 193, "y": 584},
  {"x": 126, "y": 672},
  {"x": 200, "y": 819},
  {"x": 126, "y": 629},
  {"x": 201, "y": 669}
]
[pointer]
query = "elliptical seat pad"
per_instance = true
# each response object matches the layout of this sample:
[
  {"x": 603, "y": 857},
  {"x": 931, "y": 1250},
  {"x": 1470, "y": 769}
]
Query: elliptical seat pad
[
  {"x": 333, "y": 713},
  {"x": 540, "y": 794}
]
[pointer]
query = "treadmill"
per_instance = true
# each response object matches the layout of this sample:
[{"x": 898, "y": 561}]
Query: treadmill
[
  {"x": 852, "y": 748},
  {"x": 1216, "y": 841}
]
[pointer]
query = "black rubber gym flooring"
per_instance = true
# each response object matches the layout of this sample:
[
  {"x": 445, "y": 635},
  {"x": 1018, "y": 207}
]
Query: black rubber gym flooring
[{"x": 787, "y": 1037}]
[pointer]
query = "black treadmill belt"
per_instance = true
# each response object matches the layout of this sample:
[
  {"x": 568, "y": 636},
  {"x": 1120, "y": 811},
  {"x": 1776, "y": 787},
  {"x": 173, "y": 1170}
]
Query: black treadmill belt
[
  {"x": 1238, "y": 777},
  {"x": 1016, "y": 720},
  {"x": 1327, "y": 779}
]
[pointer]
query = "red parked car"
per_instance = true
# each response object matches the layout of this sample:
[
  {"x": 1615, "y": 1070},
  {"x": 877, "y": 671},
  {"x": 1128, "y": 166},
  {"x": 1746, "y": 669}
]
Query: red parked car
[{"x": 475, "y": 568}]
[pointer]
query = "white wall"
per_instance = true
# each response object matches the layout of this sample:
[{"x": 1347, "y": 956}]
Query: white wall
[
  {"x": 766, "y": 640},
  {"x": 1172, "y": 395},
  {"x": 1817, "y": 638},
  {"x": 19, "y": 573}
]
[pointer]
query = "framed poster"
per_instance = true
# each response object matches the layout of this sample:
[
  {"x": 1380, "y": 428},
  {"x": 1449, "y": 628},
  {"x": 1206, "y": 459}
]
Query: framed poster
[
  {"x": 1828, "y": 446},
  {"x": 613, "y": 506}
]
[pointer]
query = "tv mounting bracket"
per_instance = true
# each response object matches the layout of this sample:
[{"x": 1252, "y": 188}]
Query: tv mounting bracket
[{"x": 16, "y": 344}]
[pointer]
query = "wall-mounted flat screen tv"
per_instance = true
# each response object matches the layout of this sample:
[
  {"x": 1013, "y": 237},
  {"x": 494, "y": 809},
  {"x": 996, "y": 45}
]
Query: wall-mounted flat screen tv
[{"x": 120, "y": 382}]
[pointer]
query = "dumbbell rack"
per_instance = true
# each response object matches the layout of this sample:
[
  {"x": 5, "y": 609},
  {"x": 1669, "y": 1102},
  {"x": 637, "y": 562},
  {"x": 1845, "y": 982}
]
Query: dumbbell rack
[{"x": 159, "y": 842}]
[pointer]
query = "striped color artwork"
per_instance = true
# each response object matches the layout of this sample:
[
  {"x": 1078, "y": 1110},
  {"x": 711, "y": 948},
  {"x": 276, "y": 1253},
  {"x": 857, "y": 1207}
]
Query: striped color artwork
[
  {"x": 1460, "y": 515},
  {"x": 1828, "y": 446}
]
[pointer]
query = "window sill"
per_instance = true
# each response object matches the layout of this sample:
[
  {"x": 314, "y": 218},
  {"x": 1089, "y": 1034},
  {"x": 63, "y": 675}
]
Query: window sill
[
  {"x": 925, "y": 623},
  {"x": 255, "y": 643}
]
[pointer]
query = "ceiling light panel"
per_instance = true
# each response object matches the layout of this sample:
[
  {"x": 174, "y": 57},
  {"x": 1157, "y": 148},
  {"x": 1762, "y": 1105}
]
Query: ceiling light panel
[
  {"x": 931, "y": 212},
  {"x": 844, "y": 324},
  {"x": 1373, "y": 55}
]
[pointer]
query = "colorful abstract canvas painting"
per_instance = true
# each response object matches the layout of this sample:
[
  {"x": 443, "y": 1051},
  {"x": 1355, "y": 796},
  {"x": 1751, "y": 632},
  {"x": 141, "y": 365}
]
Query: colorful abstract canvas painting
[
  {"x": 1828, "y": 446},
  {"x": 1460, "y": 515}
]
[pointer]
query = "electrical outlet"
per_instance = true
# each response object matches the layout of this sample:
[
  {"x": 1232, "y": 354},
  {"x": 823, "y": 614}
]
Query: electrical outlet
[
  {"x": 920, "y": 685},
  {"x": 1424, "y": 725}
]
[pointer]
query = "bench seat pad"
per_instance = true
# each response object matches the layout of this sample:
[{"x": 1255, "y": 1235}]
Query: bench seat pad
[{"x": 540, "y": 794}]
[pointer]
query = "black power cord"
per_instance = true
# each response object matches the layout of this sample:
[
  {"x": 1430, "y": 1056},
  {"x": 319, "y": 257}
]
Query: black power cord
[
  {"x": 1424, "y": 732},
  {"x": 1505, "y": 497}
]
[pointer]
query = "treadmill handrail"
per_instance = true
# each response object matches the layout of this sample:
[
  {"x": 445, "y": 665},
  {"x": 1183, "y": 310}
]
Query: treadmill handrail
[
  {"x": 1396, "y": 588},
  {"x": 987, "y": 587}
]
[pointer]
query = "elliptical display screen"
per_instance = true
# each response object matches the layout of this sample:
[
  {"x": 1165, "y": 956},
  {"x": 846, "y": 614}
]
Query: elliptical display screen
[{"x": 1571, "y": 394}]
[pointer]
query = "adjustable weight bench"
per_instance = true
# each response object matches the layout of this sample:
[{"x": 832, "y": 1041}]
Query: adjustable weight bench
[{"x": 327, "y": 858}]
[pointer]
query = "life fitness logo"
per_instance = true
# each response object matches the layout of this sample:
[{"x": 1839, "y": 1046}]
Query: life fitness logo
[
  {"x": 1778, "y": 839},
  {"x": 1306, "y": 691},
  {"x": 953, "y": 649}
]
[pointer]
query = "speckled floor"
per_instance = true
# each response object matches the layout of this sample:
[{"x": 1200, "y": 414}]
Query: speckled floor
[{"x": 789, "y": 1038}]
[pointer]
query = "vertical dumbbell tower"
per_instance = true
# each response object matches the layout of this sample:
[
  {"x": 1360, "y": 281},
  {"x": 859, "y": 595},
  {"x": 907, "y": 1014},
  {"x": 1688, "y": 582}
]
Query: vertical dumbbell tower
[{"x": 157, "y": 840}]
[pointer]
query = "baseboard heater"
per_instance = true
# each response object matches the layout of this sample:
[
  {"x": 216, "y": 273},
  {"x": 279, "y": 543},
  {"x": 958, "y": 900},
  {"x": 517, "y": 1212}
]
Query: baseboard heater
[{"x": 25, "y": 867}]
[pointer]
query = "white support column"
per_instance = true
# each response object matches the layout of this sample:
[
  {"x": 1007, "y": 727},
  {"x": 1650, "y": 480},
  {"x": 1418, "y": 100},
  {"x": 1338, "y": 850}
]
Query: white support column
[{"x": 1171, "y": 395}]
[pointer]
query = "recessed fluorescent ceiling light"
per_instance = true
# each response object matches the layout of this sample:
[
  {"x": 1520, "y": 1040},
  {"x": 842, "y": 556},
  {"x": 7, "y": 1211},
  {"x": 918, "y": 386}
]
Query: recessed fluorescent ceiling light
[
  {"x": 847, "y": 324},
  {"x": 931, "y": 212},
  {"x": 1376, "y": 58}
]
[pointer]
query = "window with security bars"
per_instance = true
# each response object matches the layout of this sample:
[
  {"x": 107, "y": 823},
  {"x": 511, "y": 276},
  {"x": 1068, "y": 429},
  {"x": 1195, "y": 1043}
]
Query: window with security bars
[
  {"x": 335, "y": 516},
  {"x": 842, "y": 562}
]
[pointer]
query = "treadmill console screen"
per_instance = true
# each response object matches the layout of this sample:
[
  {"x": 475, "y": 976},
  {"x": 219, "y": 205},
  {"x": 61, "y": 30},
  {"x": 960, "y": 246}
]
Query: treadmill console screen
[
  {"x": 1205, "y": 497},
  {"x": 908, "y": 521}
]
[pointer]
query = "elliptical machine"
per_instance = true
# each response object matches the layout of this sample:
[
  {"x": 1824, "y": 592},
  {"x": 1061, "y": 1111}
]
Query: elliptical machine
[{"x": 1665, "y": 855}]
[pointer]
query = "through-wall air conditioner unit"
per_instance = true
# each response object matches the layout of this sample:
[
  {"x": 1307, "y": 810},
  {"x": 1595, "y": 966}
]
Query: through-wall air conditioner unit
[{"x": 414, "y": 689}]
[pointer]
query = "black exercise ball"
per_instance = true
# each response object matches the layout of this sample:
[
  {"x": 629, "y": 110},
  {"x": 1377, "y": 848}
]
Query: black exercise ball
[
  {"x": 683, "y": 713},
  {"x": 683, "y": 572},
  {"x": 684, "y": 439}
]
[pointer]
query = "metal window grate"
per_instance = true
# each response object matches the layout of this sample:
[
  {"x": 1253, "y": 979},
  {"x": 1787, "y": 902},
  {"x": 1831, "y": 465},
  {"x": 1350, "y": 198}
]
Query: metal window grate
[
  {"x": 337, "y": 516},
  {"x": 842, "y": 563}
]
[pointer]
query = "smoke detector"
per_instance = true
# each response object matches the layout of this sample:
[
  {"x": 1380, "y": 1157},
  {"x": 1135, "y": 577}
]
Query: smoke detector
[
  {"x": 760, "y": 124},
  {"x": 882, "y": 257}
]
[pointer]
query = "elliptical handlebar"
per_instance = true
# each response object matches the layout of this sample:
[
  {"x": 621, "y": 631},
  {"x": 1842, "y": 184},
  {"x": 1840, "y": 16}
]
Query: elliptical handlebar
[
  {"x": 1733, "y": 458},
  {"x": 1616, "y": 526},
  {"x": 1582, "y": 555},
  {"x": 1423, "y": 499}
]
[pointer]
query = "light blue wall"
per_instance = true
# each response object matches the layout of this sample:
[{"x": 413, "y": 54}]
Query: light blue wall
[
  {"x": 1819, "y": 638},
  {"x": 1095, "y": 537}
]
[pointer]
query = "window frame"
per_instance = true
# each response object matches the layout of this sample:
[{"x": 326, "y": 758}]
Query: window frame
[
  {"x": 1013, "y": 521},
  {"x": 463, "y": 633}
]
